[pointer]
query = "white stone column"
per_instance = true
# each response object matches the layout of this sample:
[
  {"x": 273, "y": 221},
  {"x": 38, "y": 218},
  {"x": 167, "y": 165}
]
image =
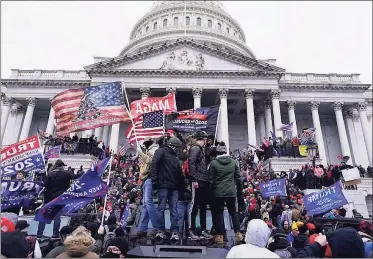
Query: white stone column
[
  {"x": 105, "y": 135},
  {"x": 275, "y": 96},
  {"x": 361, "y": 146},
  {"x": 251, "y": 132},
  {"x": 337, "y": 106},
  {"x": 223, "y": 133},
  {"x": 262, "y": 126},
  {"x": 314, "y": 106},
  {"x": 197, "y": 94},
  {"x": 268, "y": 118},
  {"x": 28, "y": 118},
  {"x": 292, "y": 119},
  {"x": 6, "y": 103},
  {"x": 114, "y": 137},
  {"x": 362, "y": 107},
  {"x": 51, "y": 121},
  {"x": 98, "y": 133},
  {"x": 145, "y": 92}
]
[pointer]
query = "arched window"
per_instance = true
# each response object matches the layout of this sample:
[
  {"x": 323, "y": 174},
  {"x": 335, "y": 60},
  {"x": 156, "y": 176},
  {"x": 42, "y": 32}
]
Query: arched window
[
  {"x": 199, "y": 21},
  {"x": 155, "y": 25},
  {"x": 165, "y": 23},
  {"x": 176, "y": 21},
  {"x": 228, "y": 30},
  {"x": 187, "y": 20},
  {"x": 209, "y": 23},
  {"x": 219, "y": 26},
  {"x": 147, "y": 29}
]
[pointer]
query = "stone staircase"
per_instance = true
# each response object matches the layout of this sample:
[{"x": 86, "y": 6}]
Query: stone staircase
[
  {"x": 75, "y": 161},
  {"x": 279, "y": 164}
]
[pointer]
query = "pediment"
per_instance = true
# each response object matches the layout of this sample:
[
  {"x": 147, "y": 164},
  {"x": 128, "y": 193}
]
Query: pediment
[{"x": 185, "y": 56}]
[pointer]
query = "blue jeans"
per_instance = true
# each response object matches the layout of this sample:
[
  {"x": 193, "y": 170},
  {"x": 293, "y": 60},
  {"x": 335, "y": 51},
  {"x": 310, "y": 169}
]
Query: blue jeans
[
  {"x": 183, "y": 206},
  {"x": 149, "y": 209},
  {"x": 56, "y": 226},
  {"x": 171, "y": 196}
]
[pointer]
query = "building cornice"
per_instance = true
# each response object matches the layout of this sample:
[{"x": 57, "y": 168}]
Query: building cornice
[
  {"x": 319, "y": 87},
  {"x": 186, "y": 42},
  {"x": 34, "y": 83},
  {"x": 185, "y": 73}
]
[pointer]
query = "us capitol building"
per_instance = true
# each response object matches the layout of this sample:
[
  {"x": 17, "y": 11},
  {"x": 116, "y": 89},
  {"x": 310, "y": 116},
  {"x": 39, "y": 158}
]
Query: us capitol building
[{"x": 199, "y": 51}]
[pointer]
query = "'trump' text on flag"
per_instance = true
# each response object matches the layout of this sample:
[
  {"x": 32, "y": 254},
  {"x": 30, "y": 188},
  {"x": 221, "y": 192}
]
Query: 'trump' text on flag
[{"x": 89, "y": 108}]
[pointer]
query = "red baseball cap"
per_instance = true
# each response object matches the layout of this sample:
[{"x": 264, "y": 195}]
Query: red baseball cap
[
  {"x": 7, "y": 225},
  {"x": 171, "y": 131}
]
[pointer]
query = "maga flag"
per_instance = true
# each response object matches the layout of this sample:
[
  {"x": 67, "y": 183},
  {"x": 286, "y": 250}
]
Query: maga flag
[
  {"x": 89, "y": 108},
  {"x": 167, "y": 104},
  {"x": 204, "y": 118},
  {"x": 88, "y": 187}
]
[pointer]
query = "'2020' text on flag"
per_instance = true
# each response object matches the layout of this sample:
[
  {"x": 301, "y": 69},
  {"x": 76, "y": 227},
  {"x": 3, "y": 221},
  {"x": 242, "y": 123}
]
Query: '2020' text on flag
[
  {"x": 149, "y": 124},
  {"x": 88, "y": 187},
  {"x": 89, "y": 108}
]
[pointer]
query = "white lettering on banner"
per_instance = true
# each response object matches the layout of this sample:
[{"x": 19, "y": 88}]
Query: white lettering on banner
[
  {"x": 16, "y": 149},
  {"x": 145, "y": 107},
  {"x": 75, "y": 186},
  {"x": 322, "y": 194},
  {"x": 76, "y": 194},
  {"x": 95, "y": 189},
  {"x": 190, "y": 122},
  {"x": 13, "y": 186}
]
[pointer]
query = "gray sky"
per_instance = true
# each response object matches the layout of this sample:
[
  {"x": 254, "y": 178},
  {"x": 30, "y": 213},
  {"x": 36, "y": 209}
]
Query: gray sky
[{"x": 314, "y": 37}]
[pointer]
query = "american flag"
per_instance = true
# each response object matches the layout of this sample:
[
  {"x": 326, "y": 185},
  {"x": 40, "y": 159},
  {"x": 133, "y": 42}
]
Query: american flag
[
  {"x": 89, "y": 108},
  {"x": 122, "y": 150},
  {"x": 308, "y": 133},
  {"x": 147, "y": 125},
  {"x": 286, "y": 127}
]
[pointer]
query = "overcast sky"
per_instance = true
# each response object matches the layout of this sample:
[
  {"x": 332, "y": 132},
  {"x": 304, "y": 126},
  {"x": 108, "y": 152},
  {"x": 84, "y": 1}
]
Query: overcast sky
[{"x": 314, "y": 37}]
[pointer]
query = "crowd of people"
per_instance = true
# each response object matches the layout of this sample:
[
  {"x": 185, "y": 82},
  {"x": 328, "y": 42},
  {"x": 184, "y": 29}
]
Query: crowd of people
[{"x": 192, "y": 175}]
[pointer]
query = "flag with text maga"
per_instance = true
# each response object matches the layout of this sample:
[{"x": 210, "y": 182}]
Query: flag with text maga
[
  {"x": 87, "y": 188},
  {"x": 89, "y": 108},
  {"x": 26, "y": 155}
]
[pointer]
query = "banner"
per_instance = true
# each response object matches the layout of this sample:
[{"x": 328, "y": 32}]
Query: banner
[
  {"x": 17, "y": 194},
  {"x": 89, "y": 108},
  {"x": 126, "y": 214},
  {"x": 87, "y": 188},
  {"x": 53, "y": 152},
  {"x": 204, "y": 118},
  {"x": 325, "y": 200},
  {"x": 303, "y": 150},
  {"x": 273, "y": 188},
  {"x": 166, "y": 104},
  {"x": 26, "y": 156}
]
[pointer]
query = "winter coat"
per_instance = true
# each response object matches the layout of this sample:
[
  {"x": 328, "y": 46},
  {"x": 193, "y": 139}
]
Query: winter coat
[
  {"x": 146, "y": 160},
  {"x": 185, "y": 194},
  {"x": 197, "y": 164},
  {"x": 346, "y": 243},
  {"x": 257, "y": 236},
  {"x": 166, "y": 169},
  {"x": 225, "y": 177},
  {"x": 57, "y": 182}
]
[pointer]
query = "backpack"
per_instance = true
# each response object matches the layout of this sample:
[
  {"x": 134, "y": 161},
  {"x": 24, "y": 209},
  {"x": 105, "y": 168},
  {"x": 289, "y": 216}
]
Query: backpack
[
  {"x": 31, "y": 242},
  {"x": 108, "y": 237}
]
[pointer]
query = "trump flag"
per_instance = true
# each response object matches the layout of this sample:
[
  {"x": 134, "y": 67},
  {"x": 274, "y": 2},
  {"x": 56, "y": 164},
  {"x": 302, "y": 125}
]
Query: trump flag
[
  {"x": 26, "y": 156},
  {"x": 88, "y": 187},
  {"x": 16, "y": 194},
  {"x": 89, "y": 108}
]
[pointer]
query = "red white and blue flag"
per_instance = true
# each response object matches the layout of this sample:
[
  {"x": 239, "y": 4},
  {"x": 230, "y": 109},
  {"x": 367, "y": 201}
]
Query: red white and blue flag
[
  {"x": 89, "y": 108},
  {"x": 53, "y": 152}
]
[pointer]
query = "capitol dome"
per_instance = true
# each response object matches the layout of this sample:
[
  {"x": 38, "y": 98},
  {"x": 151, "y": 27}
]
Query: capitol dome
[{"x": 203, "y": 21}]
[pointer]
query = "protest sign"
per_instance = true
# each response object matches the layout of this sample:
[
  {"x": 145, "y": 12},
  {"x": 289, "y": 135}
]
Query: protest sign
[
  {"x": 351, "y": 176},
  {"x": 273, "y": 188},
  {"x": 325, "y": 200}
]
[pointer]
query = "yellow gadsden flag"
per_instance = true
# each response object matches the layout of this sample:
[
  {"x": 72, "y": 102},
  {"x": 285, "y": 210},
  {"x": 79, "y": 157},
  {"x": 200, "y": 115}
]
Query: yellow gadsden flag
[{"x": 303, "y": 150}]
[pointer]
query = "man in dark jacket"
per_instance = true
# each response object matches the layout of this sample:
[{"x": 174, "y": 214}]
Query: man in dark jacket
[
  {"x": 200, "y": 182},
  {"x": 55, "y": 184},
  {"x": 167, "y": 177},
  {"x": 226, "y": 186}
]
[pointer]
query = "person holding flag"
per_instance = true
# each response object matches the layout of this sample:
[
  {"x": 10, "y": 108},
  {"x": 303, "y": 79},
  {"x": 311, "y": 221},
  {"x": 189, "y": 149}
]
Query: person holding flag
[{"x": 56, "y": 183}]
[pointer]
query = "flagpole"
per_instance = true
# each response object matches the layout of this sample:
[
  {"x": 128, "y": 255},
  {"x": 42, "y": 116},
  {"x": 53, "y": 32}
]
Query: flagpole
[
  {"x": 217, "y": 125},
  {"x": 108, "y": 183},
  {"x": 129, "y": 112}
]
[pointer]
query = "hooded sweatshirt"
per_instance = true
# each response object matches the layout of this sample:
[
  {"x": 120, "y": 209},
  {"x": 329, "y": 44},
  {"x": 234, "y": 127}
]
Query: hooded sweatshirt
[
  {"x": 257, "y": 236},
  {"x": 346, "y": 243}
]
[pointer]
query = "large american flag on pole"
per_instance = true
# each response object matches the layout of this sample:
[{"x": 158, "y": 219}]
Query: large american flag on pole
[
  {"x": 89, "y": 108},
  {"x": 149, "y": 124}
]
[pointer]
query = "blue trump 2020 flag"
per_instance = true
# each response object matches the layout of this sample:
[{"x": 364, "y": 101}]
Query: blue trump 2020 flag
[
  {"x": 17, "y": 194},
  {"x": 273, "y": 188},
  {"x": 325, "y": 200},
  {"x": 88, "y": 187}
]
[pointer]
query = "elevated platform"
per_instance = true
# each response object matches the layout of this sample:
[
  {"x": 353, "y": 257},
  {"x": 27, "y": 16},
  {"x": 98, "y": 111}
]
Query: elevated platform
[
  {"x": 279, "y": 164},
  {"x": 75, "y": 161}
]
